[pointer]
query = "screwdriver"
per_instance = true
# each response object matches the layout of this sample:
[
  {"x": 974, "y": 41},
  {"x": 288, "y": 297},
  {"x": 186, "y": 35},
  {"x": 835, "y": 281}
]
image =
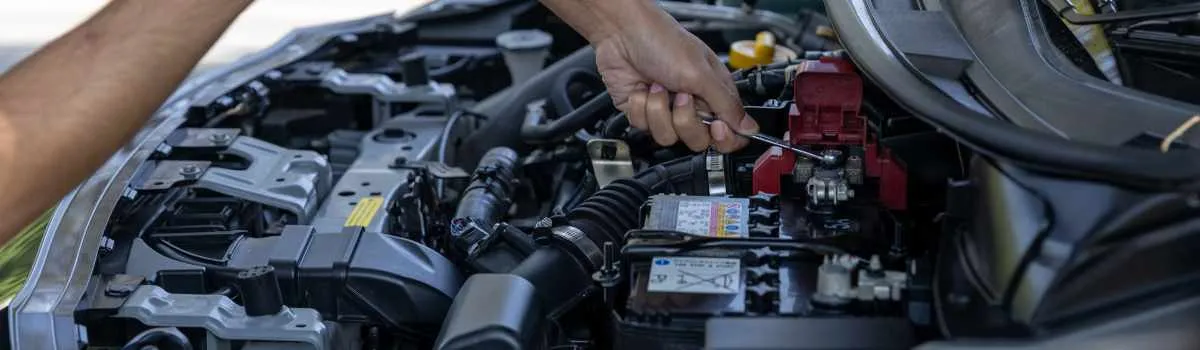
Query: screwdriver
[{"x": 771, "y": 140}]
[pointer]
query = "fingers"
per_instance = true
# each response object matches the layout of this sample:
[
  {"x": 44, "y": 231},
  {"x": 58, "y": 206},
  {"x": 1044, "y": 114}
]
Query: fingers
[
  {"x": 637, "y": 107},
  {"x": 724, "y": 139},
  {"x": 670, "y": 121},
  {"x": 687, "y": 125},
  {"x": 720, "y": 94},
  {"x": 658, "y": 116}
]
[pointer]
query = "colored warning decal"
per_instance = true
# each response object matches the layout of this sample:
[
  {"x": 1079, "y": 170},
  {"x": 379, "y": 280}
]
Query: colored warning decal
[
  {"x": 711, "y": 218},
  {"x": 364, "y": 211}
]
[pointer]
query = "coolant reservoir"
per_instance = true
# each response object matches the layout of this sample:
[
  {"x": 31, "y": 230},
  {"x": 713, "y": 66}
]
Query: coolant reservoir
[
  {"x": 525, "y": 52},
  {"x": 760, "y": 51}
]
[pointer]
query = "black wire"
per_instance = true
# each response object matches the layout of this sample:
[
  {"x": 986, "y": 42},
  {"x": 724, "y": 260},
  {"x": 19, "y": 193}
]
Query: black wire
[
  {"x": 443, "y": 143},
  {"x": 615, "y": 126},
  {"x": 584, "y": 190},
  {"x": 695, "y": 242}
]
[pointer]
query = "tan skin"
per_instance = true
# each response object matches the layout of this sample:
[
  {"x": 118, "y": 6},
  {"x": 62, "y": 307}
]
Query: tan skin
[
  {"x": 67, "y": 108},
  {"x": 644, "y": 56}
]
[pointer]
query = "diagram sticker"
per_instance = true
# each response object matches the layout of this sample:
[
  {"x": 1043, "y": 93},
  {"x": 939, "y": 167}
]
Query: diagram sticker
[{"x": 695, "y": 275}]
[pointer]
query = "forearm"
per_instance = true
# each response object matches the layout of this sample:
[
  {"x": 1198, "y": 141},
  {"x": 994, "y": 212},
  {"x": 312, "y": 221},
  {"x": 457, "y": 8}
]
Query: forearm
[
  {"x": 598, "y": 19},
  {"x": 67, "y": 108}
]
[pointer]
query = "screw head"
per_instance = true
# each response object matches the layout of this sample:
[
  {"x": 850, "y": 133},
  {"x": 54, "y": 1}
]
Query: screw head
[
  {"x": 219, "y": 138},
  {"x": 189, "y": 170}
]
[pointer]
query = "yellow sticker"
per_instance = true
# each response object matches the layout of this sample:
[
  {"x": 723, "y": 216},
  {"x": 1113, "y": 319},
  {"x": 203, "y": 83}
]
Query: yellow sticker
[{"x": 364, "y": 211}]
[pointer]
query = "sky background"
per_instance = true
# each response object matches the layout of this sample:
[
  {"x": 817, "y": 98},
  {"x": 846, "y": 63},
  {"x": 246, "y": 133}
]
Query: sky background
[{"x": 27, "y": 25}]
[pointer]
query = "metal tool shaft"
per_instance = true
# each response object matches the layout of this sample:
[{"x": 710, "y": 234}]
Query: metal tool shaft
[{"x": 767, "y": 139}]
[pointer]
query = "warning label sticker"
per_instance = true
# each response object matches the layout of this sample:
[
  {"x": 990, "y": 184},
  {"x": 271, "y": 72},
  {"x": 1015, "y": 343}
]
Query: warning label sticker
[
  {"x": 695, "y": 217},
  {"x": 702, "y": 216},
  {"x": 695, "y": 275},
  {"x": 364, "y": 212}
]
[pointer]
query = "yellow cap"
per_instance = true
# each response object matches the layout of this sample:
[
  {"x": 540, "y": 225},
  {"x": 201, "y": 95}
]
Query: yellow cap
[{"x": 762, "y": 50}]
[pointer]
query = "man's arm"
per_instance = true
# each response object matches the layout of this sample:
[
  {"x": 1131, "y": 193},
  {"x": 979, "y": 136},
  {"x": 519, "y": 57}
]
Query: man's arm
[
  {"x": 644, "y": 57},
  {"x": 67, "y": 108}
]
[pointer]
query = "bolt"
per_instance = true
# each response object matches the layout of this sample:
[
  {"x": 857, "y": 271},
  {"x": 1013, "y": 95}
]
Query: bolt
[
  {"x": 610, "y": 256},
  {"x": 219, "y": 138},
  {"x": 273, "y": 75},
  {"x": 189, "y": 170},
  {"x": 348, "y": 38}
]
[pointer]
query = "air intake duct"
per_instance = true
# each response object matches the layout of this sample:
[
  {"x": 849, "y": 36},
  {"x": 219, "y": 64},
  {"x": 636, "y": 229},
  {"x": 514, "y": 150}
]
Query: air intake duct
[{"x": 560, "y": 271}]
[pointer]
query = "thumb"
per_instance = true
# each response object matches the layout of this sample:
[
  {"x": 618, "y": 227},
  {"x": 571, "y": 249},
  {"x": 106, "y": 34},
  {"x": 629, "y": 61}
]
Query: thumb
[{"x": 724, "y": 101}]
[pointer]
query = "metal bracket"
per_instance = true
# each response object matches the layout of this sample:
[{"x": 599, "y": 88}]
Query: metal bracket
[
  {"x": 225, "y": 319},
  {"x": 383, "y": 165},
  {"x": 437, "y": 170},
  {"x": 385, "y": 91},
  {"x": 610, "y": 160},
  {"x": 292, "y": 180},
  {"x": 169, "y": 172},
  {"x": 715, "y": 164},
  {"x": 202, "y": 137}
]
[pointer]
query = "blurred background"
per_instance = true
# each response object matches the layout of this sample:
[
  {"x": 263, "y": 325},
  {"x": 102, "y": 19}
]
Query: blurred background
[{"x": 27, "y": 25}]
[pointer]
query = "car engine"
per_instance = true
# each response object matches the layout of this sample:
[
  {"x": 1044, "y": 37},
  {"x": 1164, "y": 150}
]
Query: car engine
[{"x": 458, "y": 178}]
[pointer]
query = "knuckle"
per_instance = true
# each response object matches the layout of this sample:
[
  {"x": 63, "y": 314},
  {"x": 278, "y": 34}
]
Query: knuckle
[
  {"x": 656, "y": 108},
  {"x": 664, "y": 138}
]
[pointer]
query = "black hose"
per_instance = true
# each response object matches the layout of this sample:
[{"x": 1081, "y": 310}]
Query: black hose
[
  {"x": 487, "y": 197},
  {"x": 506, "y": 109},
  {"x": 582, "y": 191},
  {"x": 560, "y": 94},
  {"x": 560, "y": 271},
  {"x": 534, "y": 132},
  {"x": 485, "y": 200},
  {"x": 616, "y": 126}
]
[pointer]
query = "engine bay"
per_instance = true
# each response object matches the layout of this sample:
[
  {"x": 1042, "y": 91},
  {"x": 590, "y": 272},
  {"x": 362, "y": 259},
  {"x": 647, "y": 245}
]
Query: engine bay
[{"x": 413, "y": 183}]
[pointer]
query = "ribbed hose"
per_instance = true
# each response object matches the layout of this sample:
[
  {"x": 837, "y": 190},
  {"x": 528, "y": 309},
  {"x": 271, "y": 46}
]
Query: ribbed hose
[
  {"x": 488, "y": 195},
  {"x": 484, "y": 202},
  {"x": 561, "y": 271}
]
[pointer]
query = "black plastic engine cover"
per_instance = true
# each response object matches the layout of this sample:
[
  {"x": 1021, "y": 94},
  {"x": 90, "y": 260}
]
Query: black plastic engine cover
[{"x": 352, "y": 276}]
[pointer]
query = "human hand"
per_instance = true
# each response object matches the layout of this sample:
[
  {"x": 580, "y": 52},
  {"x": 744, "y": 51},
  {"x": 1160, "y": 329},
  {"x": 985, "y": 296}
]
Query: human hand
[{"x": 646, "y": 60}]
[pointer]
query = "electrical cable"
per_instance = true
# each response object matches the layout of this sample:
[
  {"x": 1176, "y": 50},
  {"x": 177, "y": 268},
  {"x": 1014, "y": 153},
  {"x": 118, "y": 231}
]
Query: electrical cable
[
  {"x": 443, "y": 143},
  {"x": 615, "y": 126},
  {"x": 533, "y": 132},
  {"x": 693, "y": 242}
]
